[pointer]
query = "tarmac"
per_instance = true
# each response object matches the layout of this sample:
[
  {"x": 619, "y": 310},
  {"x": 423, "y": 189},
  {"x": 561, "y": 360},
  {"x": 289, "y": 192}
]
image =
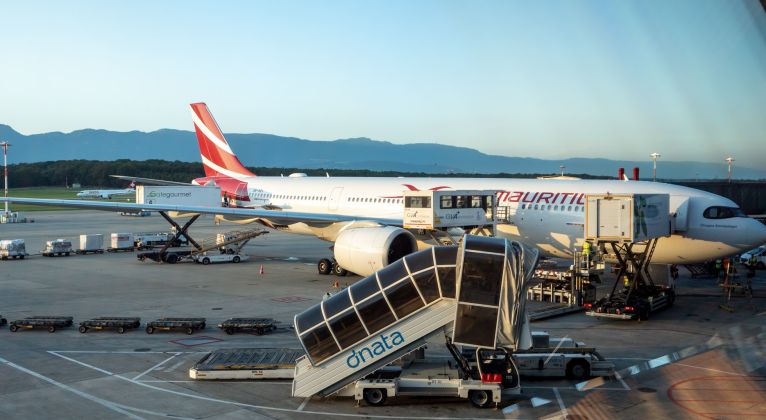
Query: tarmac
[{"x": 693, "y": 360}]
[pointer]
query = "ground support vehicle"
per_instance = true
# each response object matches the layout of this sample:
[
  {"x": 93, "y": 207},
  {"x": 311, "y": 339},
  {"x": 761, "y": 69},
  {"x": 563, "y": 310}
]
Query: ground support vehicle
[
  {"x": 120, "y": 324},
  {"x": 12, "y": 248},
  {"x": 246, "y": 364},
  {"x": 57, "y": 247},
  {"x": 207, "y": 258},
  {"x": 148, "y": 240},
  {"x": 257, "y": 325},
  {"x": 188, "y": 325},
  {"x": 50, "y": 323},
  {"x": 171, "y": 256},
  {"x": 561, "y": 357},
  {"x": 633, "y": 303}
]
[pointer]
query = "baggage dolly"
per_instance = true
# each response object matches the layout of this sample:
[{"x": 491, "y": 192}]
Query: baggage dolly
[
  {"x": 121, "y": 324},
  {"x": 51, "y": 323},
  {"x": 258, "y": 325},
  {"x": 3, "y": 321},
  {"x": 189, "y": 325}
]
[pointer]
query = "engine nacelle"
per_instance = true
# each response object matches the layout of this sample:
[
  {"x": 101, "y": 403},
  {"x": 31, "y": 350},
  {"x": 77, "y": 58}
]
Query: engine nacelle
[{"x": 366, "y": 250}]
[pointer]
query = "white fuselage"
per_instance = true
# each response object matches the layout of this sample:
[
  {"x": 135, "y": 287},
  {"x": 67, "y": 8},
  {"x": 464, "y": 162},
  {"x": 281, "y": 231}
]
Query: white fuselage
[
  {"x": 546, "y": 213},
  {"x": 105, "y": 193}
]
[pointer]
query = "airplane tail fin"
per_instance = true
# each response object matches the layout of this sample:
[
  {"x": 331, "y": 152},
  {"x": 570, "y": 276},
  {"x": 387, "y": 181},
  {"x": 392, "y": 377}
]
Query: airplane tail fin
[{"x": 217, "y": 157}]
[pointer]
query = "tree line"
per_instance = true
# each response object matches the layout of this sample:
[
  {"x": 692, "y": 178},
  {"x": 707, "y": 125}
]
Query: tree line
[{"x": 94, "y": 173}]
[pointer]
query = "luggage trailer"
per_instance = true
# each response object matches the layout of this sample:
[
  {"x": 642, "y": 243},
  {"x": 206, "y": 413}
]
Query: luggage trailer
[
  {"x": 259, "y": 326},
  {"x": 119, "y": 324},
  {"x": 188, "y": 325},
  {"x": 50, "y": 323}
]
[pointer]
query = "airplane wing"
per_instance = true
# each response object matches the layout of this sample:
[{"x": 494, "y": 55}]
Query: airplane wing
[
  {"x": 149, "y": 181},
  {"x": 276, "y": 216}
]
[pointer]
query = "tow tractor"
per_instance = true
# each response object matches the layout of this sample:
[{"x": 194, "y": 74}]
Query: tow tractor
[
  {"x": 631, "y": 225},
  {"x": 561, "y": 357}
]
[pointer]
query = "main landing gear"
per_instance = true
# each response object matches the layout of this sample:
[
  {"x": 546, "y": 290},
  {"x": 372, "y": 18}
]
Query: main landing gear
[{"x": 327, "y": 266}]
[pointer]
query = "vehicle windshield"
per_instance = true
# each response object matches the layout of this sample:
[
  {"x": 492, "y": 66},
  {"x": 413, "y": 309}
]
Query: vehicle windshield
[{"x": 721, "y": 212}]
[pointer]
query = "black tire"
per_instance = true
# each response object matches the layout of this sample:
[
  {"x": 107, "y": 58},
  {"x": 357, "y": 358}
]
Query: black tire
[
  {"x": 480, "y": 398},
  {"x": 189, "y": 330},
  {"x": 202, "y": 327},
  {"x": 205, "y": 261},
  {"x": 229, "y": 331},
  {"x": 51, "y": 329},
  {"x": 14, "y": 328},
  {"x": 578, "y": 369},
  {"x": 171, "y": 259},
  {"x": 120, "y": 330},
  {"x": 259, "y": 331},
  {"x": 236, "y": 259},
  {"x": 339, "y": 271},
  {"x": 100, "y": 251},
  {"x": 324, "y": 266},
  {"x": 374, "y": 396},
  {"x": 83, "y": 329},
  {"x": 150, "y": 330},
  {"x": 66, "y": 254}
]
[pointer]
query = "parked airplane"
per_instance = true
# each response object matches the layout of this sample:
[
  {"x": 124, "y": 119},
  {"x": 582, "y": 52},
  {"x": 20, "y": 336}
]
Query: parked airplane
[
  {"x": 363, "y": 216},
  {"x": 108, "y": 193}
]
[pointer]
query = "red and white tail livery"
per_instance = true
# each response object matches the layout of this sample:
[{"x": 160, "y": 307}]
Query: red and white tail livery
[{"x": 217, "y": 157}]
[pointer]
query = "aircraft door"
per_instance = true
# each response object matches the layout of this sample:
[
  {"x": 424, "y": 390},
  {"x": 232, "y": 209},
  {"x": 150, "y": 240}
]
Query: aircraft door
[
  {"x": 332, "y": 203},
  {"x": 680, "y": 220}
]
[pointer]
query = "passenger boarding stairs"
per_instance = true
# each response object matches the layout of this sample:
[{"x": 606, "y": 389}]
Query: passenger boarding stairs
[{"x": 449, "y": 290}]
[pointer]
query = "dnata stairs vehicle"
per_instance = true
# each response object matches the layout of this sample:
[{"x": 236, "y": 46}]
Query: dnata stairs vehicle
[{"x": 472, "y": 294}]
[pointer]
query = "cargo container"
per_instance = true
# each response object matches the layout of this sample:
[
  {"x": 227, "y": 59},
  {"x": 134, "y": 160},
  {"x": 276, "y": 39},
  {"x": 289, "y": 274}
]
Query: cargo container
[
  {"x": 627, "y": 217},
  {"x": 179, "y": 195},
  {"x": 57, "y": 247},
  {"x": 91, "y": 243},
  {"x": 121, "y": 242},
  {"x": 12, "y": 248}
]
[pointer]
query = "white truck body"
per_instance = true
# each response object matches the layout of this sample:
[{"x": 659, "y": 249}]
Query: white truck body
[
  {"x": 179, "y": 195},
  {"x": 213, "y": 258},
  {"x": 560, "y": 357}
]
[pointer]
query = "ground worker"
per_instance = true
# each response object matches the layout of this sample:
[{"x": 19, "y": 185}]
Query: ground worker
[
  {"x": 717, "y": 268},
  {"x": 752, "y": 262}
]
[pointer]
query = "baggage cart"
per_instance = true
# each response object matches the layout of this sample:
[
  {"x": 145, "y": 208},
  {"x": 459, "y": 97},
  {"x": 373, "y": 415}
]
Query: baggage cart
[
  {"x": 12, "y": 248},
  {"x": 121, "y": 242},
  {"x": 188, "y": 325},
  {"x": 120, "y": 324},
  {"x": 227, "y": 364},
  {"x": 50, "y": 323},
  {"x": 57, "y": 247},
  {"x": 257, "y": 325}
]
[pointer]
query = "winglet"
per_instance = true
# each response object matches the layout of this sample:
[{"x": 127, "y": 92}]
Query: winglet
[{"x": 217, "y": 157}]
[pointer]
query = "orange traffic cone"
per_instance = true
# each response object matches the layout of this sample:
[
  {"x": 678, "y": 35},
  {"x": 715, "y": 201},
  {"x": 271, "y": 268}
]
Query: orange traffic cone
[
  {"x": 261, "y": 270},
  {"x": 336, "y": 284}
]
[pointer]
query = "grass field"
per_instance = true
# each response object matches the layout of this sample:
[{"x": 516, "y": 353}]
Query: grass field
[{"x": 48, "y": 192}]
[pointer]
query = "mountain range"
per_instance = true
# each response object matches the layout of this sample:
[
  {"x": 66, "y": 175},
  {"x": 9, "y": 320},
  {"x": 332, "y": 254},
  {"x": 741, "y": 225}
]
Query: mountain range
[{"x": 268, "y": 150}]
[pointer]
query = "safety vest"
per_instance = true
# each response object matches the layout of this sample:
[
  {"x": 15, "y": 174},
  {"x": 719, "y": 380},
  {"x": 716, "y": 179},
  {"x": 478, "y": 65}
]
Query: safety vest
[{"x": 586, "y": 248}]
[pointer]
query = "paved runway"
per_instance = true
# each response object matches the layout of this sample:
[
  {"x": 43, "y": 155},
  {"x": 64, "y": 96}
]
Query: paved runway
[{"x": 691, "y": 361}]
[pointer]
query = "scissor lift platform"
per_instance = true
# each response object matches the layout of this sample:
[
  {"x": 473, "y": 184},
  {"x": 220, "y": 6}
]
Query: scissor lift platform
[
  {"x": 268, "y": 363},
  {"x": 51, "y": 323},
  {"x": 188, "y": 325},
  {"x": 257, "y": 325},
  {"x": 120, "y": 324}
]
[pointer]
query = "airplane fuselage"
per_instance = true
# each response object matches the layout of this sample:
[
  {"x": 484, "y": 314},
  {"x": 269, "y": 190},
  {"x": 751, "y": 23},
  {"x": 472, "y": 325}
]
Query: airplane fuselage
[{"x": 547, "y": 213}]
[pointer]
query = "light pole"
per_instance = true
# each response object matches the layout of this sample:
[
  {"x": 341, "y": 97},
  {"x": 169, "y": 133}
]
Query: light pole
[
  {"x": 729, "y": 160},
  {"x": 654, "y": 157},
  {"x": 562, "y": 169},
  {"x": 5, "y": 145}
]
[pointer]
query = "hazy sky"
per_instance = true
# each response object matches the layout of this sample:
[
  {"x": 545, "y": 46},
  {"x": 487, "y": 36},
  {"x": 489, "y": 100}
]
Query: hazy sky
[{"x": 549, "y": 79}]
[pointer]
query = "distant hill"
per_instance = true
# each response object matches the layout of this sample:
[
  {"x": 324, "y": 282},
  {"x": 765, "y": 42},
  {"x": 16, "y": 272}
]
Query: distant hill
[{"x": 268, "y": 150}]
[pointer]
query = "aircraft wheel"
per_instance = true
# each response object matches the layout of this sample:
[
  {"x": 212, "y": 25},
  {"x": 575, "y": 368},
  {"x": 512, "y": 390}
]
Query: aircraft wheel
[
  {"x": 339, "y": 271},
  {"x": 324, "y": 266}
]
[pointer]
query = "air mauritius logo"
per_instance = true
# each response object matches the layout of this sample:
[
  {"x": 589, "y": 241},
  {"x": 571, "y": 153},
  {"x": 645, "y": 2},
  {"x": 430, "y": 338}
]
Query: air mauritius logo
[{"x": 376, "y": 349}]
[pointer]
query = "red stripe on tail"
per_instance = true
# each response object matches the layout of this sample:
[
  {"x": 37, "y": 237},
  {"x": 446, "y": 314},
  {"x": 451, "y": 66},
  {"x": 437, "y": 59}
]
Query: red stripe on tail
[{"x": 214, "y": 147}]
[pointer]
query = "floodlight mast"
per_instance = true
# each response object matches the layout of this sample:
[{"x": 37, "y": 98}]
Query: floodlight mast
[
  {"x": 5, "y": 145},
  {"x": 654, "y": 157},
  {"x": 729, "y": 160}
]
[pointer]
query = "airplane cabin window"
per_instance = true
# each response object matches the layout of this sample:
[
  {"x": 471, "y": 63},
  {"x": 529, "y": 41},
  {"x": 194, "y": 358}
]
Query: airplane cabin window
[
  {"x": 569, "y": 208},
  {"x": 721, "y": 212}
]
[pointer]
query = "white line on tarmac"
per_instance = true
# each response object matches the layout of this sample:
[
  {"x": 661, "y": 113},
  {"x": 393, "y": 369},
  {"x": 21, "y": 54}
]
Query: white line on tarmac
[
  {"x": 239, "y": 404},
  {"x": 159, "y": 381},
  {"x": 563, "y": 408},
  {"x": 175, "y": 366},
  {"x": 714, "y": 370},
  {"x": 574, "y": 388},
  {"x": 108, "y": 404},
  {"x": 619, "y": 378},
  {"x": 155, "y": 367},
  {"x": 303, "y": 404}
]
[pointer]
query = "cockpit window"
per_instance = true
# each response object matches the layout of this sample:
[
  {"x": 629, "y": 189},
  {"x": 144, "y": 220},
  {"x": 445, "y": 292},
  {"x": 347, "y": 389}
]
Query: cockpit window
[{"x": 720, "y": 212}]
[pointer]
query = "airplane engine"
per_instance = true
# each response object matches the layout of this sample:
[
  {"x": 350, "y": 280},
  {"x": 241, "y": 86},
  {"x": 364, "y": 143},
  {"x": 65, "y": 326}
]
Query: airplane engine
[{"x": 366, "y": 250}]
